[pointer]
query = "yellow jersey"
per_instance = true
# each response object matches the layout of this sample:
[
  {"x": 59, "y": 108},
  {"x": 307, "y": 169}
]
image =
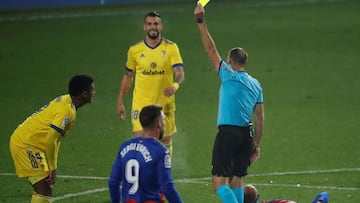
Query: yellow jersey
[
  {"x": 153, "y": 67},
  {"x": 59, "y": 115}
]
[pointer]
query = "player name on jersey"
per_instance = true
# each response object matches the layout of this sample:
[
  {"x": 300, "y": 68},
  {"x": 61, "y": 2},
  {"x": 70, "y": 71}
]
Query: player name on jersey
[{"x": 137, "y": 147}]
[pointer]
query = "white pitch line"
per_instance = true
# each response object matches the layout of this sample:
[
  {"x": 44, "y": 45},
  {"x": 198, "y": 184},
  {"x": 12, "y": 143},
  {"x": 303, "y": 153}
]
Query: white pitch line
[
  {"x": 206, "y": 180},
  {"x": 262, "y": 184},
  {"x": 190, "y": 181},
  {"x": 284, "y": 173},
  {"x": 78, "y": 194},
  {"x": 83, "y": 177},
  {"x": 308, "y": 172},
  {"x": 308, "y": 186}
]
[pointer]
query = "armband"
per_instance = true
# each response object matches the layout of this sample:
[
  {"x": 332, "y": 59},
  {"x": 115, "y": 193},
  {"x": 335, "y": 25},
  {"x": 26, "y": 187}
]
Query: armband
[{"x": 200, "y": 20}]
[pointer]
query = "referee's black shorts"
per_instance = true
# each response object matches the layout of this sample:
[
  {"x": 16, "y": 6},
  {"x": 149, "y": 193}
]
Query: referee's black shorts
[{"x": 232, "y": 150}]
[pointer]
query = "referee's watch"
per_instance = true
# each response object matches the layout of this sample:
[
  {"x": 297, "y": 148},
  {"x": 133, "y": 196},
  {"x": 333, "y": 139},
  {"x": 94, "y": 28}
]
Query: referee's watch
[{"x": 200, "y": 20}]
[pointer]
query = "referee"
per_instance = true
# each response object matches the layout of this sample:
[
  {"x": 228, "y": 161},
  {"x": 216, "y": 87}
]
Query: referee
[{"x": 240, "y": 98}]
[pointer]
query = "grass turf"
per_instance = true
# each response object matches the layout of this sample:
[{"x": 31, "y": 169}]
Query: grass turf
[{"x": 305, "y": 53}]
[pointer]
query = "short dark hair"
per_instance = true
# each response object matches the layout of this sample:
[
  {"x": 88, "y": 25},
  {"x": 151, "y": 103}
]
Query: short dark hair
[
  {"x": 149, "y": 115},
  {"x": 251, "y": 194},
  {"x": 79, "y": 83},
  {"x": 239, "y": 56},
  {"x": 152, "y": 14}
]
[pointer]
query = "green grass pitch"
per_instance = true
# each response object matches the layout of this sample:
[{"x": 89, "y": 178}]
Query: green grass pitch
[{"x": 305, "y": 53}]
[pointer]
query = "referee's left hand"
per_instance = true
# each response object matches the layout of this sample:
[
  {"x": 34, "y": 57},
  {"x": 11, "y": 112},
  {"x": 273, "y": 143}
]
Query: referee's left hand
[{"x": 256, "y": 155}]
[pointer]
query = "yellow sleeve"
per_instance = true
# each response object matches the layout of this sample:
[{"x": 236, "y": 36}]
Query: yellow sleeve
[
  {"x": 130, "y": 62},
  {"x": 176, "y": 56},
  {"x": 52, "y": 148}
]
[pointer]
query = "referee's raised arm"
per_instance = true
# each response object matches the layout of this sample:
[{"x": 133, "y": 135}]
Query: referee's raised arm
[{"x": 206, "y": 38}]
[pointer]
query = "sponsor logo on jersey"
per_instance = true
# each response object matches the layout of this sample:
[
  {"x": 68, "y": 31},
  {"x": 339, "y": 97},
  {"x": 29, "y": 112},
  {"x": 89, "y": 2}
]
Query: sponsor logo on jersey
[{"x": 153, "y": 72}]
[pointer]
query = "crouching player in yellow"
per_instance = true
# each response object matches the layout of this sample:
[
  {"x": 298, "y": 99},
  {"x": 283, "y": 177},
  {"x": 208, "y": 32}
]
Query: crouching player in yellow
[{"x": 34, "y": 145}]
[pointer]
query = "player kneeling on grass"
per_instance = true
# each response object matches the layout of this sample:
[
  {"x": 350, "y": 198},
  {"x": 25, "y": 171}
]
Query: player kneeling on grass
[
  {"x": 142, "y": 167},
  {"x": 35, "y": 143}
]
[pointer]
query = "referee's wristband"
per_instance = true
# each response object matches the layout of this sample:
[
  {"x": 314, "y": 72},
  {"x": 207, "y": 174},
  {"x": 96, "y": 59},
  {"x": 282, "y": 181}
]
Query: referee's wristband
[
  {"x": 175, "y": 85},
  {"x": 200, "y": 20}
]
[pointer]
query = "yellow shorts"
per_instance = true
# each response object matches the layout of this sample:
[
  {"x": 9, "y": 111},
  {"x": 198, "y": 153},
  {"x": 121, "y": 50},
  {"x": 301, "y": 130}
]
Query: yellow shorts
[
  {"x": 35, "y": 179},
  {"x": 28, "y": 161},
  {"x": 170, "y": 127}
]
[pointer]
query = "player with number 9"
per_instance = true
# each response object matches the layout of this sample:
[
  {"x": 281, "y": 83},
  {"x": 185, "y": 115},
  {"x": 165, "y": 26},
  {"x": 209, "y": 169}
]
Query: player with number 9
[{"x": 142, "y": 167}]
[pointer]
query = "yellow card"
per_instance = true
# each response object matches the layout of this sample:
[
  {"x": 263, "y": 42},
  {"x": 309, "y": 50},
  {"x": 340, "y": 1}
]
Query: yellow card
[{"x": 203, "y": 2}]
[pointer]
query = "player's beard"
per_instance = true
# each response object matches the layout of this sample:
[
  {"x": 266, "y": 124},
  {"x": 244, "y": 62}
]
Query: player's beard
[
  {"x": 153, "y": 34},
  {"x": 161, "y": 134}
]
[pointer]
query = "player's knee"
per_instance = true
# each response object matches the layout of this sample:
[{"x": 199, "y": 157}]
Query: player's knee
[
  {"x": 215, "y": 186},
  {"x": 37, "y": 198},
  {"x": 217, "y": 182},
  {"x": 40, "y": 185}
]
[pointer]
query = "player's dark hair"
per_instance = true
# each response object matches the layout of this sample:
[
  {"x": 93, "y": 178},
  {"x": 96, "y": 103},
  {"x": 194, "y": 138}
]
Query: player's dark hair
[
  {"x": 250, "y": 194},
  {"x": 79, "y": 83},
  {"x": 238, "y": 56},
  {"x": 152, "y": 14},
  {"x": 149, "y": 115}
]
